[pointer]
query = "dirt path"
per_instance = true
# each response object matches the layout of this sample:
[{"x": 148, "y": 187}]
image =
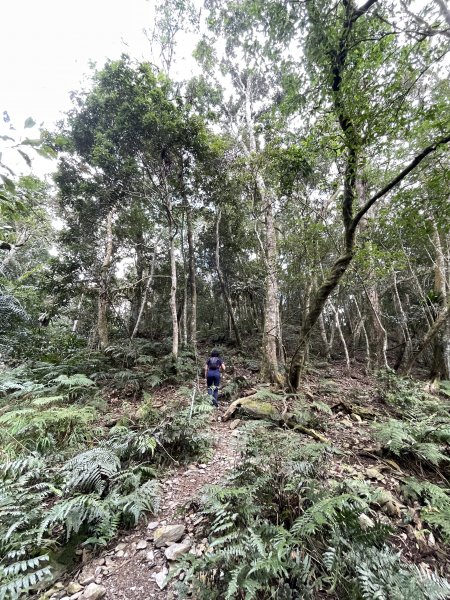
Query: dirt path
[{"x": 127, "y": 571}]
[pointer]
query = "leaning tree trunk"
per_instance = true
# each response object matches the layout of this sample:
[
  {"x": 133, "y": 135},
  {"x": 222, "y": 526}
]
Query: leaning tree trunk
[
  {"x": 351, "y": 220},
  {"x": 428, "y": 337},
  {"x": 102, "y": 322},
  {"x": 222, "y": 284}
]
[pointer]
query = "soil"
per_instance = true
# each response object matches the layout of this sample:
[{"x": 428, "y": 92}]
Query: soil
[{"x": 131, "y": 576}]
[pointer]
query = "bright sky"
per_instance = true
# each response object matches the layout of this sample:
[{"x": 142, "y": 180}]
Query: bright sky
[{"x": 46, "y": 46}]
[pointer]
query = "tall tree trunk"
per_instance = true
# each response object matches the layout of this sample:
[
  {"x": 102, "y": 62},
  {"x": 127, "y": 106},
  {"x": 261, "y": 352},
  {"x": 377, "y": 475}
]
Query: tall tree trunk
[
  {"x": 271, "y": 315},
  {"x": 173, "y": 277},
  {"x": 341, "y": 334},
  {"x": 366, "y": 337},
  {"x": 326, "y": 348},
  {"x": 222, "y": 283},
  {"x": 272, "y": 326},
  {"x": 378, "y": 331},
  {"x": 102, "y": 322},
  {"x": 406, "y": 353},
  {"x": 192, "y": 280},
  {"x": 77, "y": 318},
  {"x": 139, "y": 287},
  {"x": 184, "y": 314},
  {"x": 441, "y": 342},
  {"x": 146, "y": 290}
]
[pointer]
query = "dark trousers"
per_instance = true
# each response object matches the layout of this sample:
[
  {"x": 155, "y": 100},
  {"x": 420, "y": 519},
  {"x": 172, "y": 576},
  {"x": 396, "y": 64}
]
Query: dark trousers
[{"x": 213, "y": 381}]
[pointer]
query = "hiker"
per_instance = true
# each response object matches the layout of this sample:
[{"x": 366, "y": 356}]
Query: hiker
[{"x": 213, "y": 366}]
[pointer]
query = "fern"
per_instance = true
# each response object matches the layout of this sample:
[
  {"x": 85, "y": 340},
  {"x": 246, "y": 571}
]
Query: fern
[
  {"x": 436, "y": 501},
  {"x": 381, "y": 575},
  {"x": 90, "y": 471},
  {"x": 326, "y": 512},
  {"x": 18, "y": 578},
  {"x": 419, "y": 438},
  {"x": 75, "y": 380},
  {"x": 44, "y": 430}
]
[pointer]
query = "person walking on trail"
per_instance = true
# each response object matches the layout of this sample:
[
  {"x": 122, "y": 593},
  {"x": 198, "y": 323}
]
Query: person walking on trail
[{"x": 214, "y": 365}]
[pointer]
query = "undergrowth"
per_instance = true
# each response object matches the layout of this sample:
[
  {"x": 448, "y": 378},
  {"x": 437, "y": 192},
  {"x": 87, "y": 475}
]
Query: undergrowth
[
  {"x": 68, "y": 476},
  {"x": 281, "y": 529}
]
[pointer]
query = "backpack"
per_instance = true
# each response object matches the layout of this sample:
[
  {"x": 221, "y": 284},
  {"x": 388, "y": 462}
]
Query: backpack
[{"x": 214, "y": 363}]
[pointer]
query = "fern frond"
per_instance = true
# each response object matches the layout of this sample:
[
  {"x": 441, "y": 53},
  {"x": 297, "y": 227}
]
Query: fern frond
[
  {"x": 91, "y": 470},
  {"x": 75, "y": 380}
]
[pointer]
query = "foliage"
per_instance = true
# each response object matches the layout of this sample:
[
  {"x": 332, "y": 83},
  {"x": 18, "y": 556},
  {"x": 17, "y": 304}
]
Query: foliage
[
  {"x": 436, "y": 502},
  {"x": 278, "y": 530},
  {"x": 182, "y": 433}
]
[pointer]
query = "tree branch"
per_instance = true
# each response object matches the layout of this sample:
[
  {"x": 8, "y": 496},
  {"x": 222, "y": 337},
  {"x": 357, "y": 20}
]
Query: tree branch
[{"x": 388, "y": 187}]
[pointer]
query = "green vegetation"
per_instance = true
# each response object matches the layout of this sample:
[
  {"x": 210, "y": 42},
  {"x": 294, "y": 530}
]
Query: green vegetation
[
  {"x": 288, "y": 204},
  {"x": 281, "y": 529}
]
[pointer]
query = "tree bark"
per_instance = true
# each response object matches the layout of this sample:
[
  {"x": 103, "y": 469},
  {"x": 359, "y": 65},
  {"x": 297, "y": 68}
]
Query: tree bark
[
  {"x": 441, "y": 342},
  {"x": 341, "y": 335},
  {"x": 192, "y": 280},
  {"x": 102, "y": 322},
  {"x": 222, "y": 283},
  {"x": 139, "y": 287},
  {"x": 272, "y": 327},
  {"x": 404, "y": 326},
  {"x": 271, "y": 316},
  {"x": 173, "y": 277},
  {"x": 429, "y": 336},
  {"x": 379, "y": 335},
  {"x": 145, "y": 295}
]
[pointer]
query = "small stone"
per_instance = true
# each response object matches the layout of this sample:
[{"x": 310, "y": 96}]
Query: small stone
[
  {"x": 59, "y": 585},
  {"x": 141, "y": 545},
  {"x": 76, "y": 596},
  {"x": 160, "y": 578},
  {"x": 109, "y": 562},
  {"x": 86, "y": 578},
  {"x": 168, "y": 534},
  {"x": 73, "y": 588},
  {"x": 235, "y": 423},
  {"x": 365, "y": 522},
  {"x": 120, "y": 554},
  {"x": 150, "y": 556},
  {"x": 392, "y": 509},
  {"x": 431, "y": 540},
  {"x": 355, "y": 417},
  {"x": 93, "y": 592},
  {"x": 373, "y": 473},
  {"x": 120, "y": 547},
  {"x": 174, "y": 551},
  {"x": 152, "y": 525}
]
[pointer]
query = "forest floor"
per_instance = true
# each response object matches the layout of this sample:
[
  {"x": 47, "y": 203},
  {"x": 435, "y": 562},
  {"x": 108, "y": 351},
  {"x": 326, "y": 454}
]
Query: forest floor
[{"x": 134, "y": 567}]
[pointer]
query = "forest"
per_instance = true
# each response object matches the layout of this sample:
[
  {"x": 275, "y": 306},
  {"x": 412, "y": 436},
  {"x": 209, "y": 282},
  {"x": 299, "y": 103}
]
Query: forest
[{"x": 289, "y": 206}]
